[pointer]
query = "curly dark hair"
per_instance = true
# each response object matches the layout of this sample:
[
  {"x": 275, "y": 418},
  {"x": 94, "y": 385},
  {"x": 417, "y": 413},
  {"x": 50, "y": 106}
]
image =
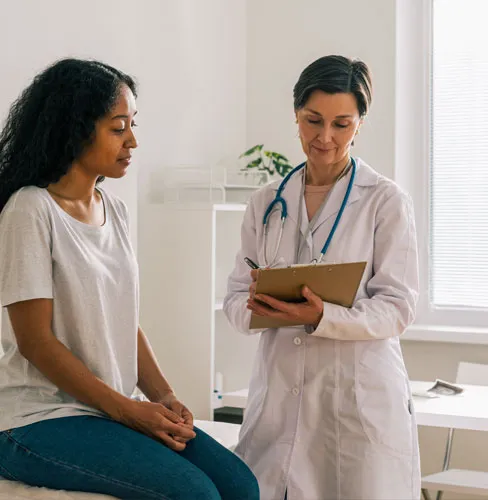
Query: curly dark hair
[{"x": 53, "y": 121}]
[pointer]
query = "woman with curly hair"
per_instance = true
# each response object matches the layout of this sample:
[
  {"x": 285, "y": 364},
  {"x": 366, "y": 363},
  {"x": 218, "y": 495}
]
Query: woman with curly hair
[{"x": 73, "y": 351}]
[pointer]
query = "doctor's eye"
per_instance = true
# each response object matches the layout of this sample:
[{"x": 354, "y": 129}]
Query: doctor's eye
[
  {"x": 342, "y": 125},
  {"x": 315, "y": 122}
]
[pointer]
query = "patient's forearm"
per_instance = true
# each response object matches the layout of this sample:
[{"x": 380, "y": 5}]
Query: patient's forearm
[{"x": 151, "y": 380}]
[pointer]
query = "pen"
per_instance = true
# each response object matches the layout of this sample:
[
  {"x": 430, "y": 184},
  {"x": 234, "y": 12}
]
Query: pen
[{"x": 250, "y": 263}]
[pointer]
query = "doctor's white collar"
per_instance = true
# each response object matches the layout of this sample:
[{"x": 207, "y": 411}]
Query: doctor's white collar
[{"x": 365, "y": 176}]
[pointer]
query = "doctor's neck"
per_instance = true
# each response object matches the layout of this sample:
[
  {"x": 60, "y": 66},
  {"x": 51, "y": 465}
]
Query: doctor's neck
[{"x": 325, "y": 174}]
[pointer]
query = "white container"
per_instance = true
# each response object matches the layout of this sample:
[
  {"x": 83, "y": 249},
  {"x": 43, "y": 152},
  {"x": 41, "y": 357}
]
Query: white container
[{"x": 203, "y": 183}]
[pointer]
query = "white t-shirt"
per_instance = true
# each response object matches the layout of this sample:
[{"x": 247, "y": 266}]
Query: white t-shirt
[{"x": 91, "y": 274}]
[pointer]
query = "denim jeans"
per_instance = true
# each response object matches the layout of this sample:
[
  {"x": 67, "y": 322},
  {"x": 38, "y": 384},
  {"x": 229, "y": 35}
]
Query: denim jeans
[{"x": 97, "y": 455}]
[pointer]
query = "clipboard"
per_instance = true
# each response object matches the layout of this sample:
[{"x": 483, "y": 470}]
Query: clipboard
[{"x": 334, "y": 283}]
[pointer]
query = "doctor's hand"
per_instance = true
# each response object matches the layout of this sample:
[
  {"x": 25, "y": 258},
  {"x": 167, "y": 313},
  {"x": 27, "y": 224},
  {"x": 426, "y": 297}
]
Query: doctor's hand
[
  {"x": 305, "y": 313},
  {"x": 252, "y": 288}
]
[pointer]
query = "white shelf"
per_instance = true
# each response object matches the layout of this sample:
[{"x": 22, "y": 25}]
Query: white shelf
[
  {"x": 235, "y": 399},
  {"x": 204, "y": 206},
  {"x": 456, "y": 335},
  {"x": 202, "y": 271},
  {"x": 466, "y": 482},
  {"x": 230, "y": 207},
  {"x": 241, "y": 186}
]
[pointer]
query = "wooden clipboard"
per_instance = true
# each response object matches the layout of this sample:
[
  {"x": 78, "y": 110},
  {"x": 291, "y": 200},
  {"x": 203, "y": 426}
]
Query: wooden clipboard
[{"x": 334, "y": 283}]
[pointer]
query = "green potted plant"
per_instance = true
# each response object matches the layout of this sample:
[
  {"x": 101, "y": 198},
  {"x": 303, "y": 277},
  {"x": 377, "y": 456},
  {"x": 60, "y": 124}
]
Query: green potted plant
[{"x": 269, "y": 162}]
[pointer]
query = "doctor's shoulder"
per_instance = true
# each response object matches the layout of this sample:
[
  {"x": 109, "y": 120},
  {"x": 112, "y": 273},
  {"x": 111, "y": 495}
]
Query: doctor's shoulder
[
  {"x": 390, "y": 196},
  {"x": 265, "y": 194}
]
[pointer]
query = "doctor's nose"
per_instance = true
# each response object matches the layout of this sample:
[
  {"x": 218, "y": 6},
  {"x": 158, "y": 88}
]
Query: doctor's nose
[{"x": 325, "y": 134}]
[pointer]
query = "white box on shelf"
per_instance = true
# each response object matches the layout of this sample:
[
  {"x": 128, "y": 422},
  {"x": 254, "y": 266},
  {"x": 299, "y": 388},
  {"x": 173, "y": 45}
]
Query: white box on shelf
[{"x": 203, "y": 183}]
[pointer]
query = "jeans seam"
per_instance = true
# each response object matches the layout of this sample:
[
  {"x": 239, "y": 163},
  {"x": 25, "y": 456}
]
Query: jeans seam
[
  {"x": 6, "y": 474},
  {"x": 116, "y": 482}
]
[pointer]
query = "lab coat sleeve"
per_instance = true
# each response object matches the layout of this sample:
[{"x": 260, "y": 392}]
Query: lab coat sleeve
[
  {"x": 392, "y": 291},
  {"x": 235, "y": 302}
]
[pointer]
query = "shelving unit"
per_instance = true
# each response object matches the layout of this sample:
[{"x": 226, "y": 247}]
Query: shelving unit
[
  {"x": 196, "y": 245},
  {"x": 235, "y": 399}
]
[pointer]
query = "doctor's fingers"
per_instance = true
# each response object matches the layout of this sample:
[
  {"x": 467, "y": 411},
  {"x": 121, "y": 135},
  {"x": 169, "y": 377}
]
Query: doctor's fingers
[
  {"x": 275, "y": 304},
  {"x": 254, "y": 274},
  {"x": 264, "y": 310},
  {"x": 312, "y": 298},
  {"x": 268, "y": 306}
]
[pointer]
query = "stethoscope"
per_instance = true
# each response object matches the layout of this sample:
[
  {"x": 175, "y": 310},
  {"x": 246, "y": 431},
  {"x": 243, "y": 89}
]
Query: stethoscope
[{"x": 279, "y": 200}]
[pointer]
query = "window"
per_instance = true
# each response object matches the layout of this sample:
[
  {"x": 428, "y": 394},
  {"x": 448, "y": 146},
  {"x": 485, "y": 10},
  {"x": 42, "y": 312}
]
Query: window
[
  {"x": 458, "y": 257},
  {"x": 441, "y": 159}
]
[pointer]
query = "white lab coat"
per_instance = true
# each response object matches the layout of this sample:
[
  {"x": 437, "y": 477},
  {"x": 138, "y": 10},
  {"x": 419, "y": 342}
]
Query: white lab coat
[{"x": 329, "y": 414}]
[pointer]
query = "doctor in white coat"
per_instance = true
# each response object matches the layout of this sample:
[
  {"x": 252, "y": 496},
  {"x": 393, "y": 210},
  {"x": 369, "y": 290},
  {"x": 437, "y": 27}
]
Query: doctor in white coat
[{"x": 329, "y": 414}]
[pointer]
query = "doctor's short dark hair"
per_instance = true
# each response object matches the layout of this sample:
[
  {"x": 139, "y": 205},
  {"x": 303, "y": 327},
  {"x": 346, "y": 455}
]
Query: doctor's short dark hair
[
  {"x": 53, "y": 121},
  {"x": 333, "y": 75}
]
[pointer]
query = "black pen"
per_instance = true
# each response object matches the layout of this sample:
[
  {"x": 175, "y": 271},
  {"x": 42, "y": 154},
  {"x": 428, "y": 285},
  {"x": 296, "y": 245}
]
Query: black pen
[{"x": 250, "y": 263}]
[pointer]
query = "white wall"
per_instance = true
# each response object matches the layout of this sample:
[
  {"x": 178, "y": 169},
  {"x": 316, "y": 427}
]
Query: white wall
[
  {"x": 284, "y": 36},
  {"x": 35, "y": 34},
  {"x": 193, "y": 111},
  {"x": 189, "y": 59}
]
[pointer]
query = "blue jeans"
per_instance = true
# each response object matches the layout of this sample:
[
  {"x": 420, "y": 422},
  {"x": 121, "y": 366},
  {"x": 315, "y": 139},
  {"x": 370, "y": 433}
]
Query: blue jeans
[{"x": 98, "y": 455}]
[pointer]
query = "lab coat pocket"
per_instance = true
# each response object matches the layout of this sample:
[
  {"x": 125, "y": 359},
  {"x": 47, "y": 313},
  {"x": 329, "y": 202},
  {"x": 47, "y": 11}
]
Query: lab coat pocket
[{"x": 382, "y": 398}]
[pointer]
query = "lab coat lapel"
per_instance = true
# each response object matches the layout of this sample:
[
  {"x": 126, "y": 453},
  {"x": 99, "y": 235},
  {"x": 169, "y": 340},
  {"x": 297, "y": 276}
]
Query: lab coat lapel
[{"x": 365, "y": 176}]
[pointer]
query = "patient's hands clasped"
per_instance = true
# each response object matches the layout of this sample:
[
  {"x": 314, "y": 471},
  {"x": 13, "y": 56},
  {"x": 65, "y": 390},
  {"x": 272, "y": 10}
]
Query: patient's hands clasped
[{"x": 159, "y": 422}]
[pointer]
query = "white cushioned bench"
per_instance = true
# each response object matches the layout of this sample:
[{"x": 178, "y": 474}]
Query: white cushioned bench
[{"x": 226, "y": 434}]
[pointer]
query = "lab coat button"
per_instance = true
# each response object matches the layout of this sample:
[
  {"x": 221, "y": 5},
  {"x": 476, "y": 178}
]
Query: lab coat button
[
  {"x": 295, "y": 391},
  {"x": 297, "y": 340}
]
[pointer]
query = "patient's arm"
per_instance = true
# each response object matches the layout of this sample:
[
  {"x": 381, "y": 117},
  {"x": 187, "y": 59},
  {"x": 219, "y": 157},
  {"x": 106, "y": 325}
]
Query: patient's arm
[
  {"x": 151, "y": 380},
  {"x": 31, "y": 321}
]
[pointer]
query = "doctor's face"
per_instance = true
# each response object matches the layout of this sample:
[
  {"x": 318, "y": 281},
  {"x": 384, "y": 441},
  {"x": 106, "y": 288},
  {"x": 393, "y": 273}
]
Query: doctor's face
[{"x": 327, "y": 125}]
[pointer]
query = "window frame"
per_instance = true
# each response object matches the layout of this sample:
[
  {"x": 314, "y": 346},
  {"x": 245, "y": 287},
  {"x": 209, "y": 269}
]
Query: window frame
[{"x": 413, "y": 161}]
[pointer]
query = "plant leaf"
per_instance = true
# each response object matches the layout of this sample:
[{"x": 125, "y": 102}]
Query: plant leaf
[
  {"x": 282, "y": 168},
  {"x": 254, "y": 163},
  {"x": 278, "y": 157},
  {"x": 249, "y": 152}
]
